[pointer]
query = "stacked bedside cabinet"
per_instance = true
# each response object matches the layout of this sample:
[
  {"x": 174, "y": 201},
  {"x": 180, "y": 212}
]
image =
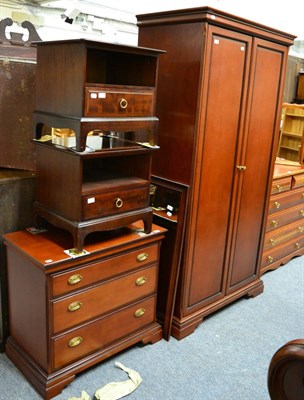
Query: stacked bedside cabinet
[
  {"x": 67, "y": 314},
  {"x": 95, "y": 131},
  {"x": 284, "y": 237}
]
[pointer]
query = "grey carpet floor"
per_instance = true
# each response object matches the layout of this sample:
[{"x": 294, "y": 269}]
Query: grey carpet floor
[{"x": 226, "y": 358}]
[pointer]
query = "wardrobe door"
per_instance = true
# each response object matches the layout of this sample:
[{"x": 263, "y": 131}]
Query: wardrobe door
[
  {"x": 227, "y": 58},
  {"x": 262, "y": 130}
]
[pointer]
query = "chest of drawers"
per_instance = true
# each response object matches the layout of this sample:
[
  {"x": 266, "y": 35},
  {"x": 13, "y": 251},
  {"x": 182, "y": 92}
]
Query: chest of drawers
[
  {"x": 284, "y": 237},
  {"x": 66, "y": 313}
]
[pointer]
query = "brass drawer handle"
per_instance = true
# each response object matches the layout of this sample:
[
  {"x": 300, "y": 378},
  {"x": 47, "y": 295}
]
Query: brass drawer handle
[
  {"x": 297, "y": 246},
  {"x": 272, "y": 242},
  {"x": 277, "y": 204},
  {"x": 279, "y": 187},
  {"x": 270, "y": 259},
  {"x": 118, "y": 202},
  {"x": 75, "y": 341},
  {"x": 141, "y": 280},
  {"x": 139, "y": 313},
  {"x": 302, "y": 213},
  {"x": 142, "y": 257},
  {"x": 274, "y": 223},
  {"x": 123, "y": 104},
  {"x": 301, "y": 229},
  {"x": 74, "y": 279},
  {"x": 76, "y": 305}
]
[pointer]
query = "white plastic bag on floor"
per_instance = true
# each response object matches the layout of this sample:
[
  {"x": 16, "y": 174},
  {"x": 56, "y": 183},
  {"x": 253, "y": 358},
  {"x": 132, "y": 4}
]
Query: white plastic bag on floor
[{"x": 115, "y": 390}]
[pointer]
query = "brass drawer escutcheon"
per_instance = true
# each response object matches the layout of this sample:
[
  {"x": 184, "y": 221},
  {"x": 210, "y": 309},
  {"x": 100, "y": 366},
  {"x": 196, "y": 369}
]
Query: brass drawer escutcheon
[
  {"x": 141, "y": 280},
  {"x": 75, "y": 341},
  {"x": 118, "y": 202},
  {"x": 123, "y": 104},
  {"x": 139, "y": 313},
  {"x": 142, "y": 257},
  {"x": 270, "y": 259},
  {"x": 72, "y": 280},
  {"x": 76, "y": 305}
]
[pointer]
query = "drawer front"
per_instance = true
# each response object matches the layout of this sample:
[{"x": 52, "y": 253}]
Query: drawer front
[
  {"x": 115, "y": 202},
  {"x": 97, "y": 335},
  {"x": 281, "y": 185},
  {"x": 298, "y": 180},
  {"x": 277, "y": 253},
  {"x": 286, "y": 200},
  {"x": 90, "y": 303},
  {"x": 281, "y": 235},
  {"x": 107, "y": 102},
  {"x": 285, "y": 217},
  {"x": 77, "y": 278}
]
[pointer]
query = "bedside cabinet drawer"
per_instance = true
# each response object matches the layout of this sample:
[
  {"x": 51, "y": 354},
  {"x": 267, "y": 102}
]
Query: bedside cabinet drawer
[
  {"x": 114, "y": 102},
  {"x": 90, "y": 303},
  {"x": 282, "y": 201},
  {"x": 98, "y": 334},
  {"x": 77, "y": 278},
  {"x": 285, "y": 217},
  {"x": 281, "y": 185},
  {"x": 115, "y": 202},
  {"x": 281, "y": 235}
]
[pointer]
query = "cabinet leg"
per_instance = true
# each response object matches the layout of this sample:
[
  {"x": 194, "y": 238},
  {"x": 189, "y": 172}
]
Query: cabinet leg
[{"x": 256, "y": 290}]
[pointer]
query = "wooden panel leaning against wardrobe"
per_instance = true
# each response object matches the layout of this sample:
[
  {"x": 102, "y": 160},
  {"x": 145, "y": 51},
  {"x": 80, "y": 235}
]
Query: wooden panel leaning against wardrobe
[{"x": 220, "y": 88}]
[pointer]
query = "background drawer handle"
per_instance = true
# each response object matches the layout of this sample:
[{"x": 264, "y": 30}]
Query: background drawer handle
[
  {"x": 75, "y": 341},
  {"x": 274, "y": 223},
  {"x": 302, "y": 213},
  {"x": 142, "y": 257},
  {"x": 270, "y": 259},
  {"x": 279, "y": 187},
  {"x": 75, "y": 306},
  {"x": 272, "y": 242},
  {"x": 139, "y": 313},
  {"x": 141, "y": 280},
  {"x": 277, "y": 204},
  {"x": 301, "y": 229},
  {"x": 298, "y": 246},
  {"x": 74, "y": 279},
  {"x": 123, "y": 104},
  {"x": 118, "y": 202}
]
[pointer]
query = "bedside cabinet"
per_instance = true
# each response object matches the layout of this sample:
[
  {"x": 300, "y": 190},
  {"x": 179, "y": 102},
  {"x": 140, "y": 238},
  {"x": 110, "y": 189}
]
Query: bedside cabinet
[
  {"x": 67, "y": 314},
  {"x": 284, "y": 237}
]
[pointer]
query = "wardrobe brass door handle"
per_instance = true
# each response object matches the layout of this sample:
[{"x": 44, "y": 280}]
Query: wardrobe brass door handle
[
  {"x": 73, "y": 279},
  {"x": 76, "y": 305},
  {"x": 75, "y": 341},
  {"x": 241, "y": 167}
]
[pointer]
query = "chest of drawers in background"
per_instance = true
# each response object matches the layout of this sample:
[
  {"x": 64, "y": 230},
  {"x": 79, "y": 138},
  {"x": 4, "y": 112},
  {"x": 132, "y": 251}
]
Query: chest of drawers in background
[
  {"x": 66, "y": 313},
  {"x": 284, "y": 237}
]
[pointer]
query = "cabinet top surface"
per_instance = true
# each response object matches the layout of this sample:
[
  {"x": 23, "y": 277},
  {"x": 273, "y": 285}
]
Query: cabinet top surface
[
  {"x": 281, "y": 171},
  {"x": 102, "y": 46},
  {"x": 49, "y": 249},
  {"x": 214, "y": 17}
]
